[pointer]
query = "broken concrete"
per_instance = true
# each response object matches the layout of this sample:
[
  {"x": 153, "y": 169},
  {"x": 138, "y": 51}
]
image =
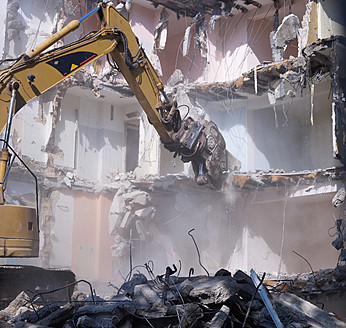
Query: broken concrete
[
  {"x": 283, "y": 35},
  {"x": 339, "y": 198},
  {"x": 187, "y": 41},
  {"x": 175, "y": 78},
  {"x": 211, "y": 290},
  {"x": 271, "y": 178},
  {"x": 179, "y": 302},
  {"x": 13, "y": 25},
  {"x": 161, "y": 30},
  {"x": 313, "y": 315},
  {"x": 131, "y": 209}
]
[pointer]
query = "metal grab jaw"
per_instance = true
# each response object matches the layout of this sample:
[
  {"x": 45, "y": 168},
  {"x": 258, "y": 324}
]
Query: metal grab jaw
[
  {"x": 19, "y": 231},
  {"x": 202, "y": 144}
]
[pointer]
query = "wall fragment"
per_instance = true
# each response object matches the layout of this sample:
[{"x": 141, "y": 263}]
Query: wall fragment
[
  {"x": 187, "y": 40},
  {"x": 131, "y": 209},
  {"x": 161, "y": 30},
  {"x": 283, "y": 35},
  {"x": 338, "y": 70},
  {"x": 13, "y": 25},
  {"x": 303, "y": 32}
]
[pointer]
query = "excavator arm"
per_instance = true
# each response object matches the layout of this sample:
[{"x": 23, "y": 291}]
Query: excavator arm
[{"x": 39, "y": 70}]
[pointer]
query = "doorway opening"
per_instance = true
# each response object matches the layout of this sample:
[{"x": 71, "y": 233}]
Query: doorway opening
[{"x": 132, "y": 144}]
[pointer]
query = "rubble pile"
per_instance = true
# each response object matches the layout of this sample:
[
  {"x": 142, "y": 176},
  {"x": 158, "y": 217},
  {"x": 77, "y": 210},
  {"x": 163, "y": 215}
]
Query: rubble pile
[{"x": 168, "y": 300}]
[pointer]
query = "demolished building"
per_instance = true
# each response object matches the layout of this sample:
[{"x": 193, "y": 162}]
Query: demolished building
[{"x": 270, "y": 74}]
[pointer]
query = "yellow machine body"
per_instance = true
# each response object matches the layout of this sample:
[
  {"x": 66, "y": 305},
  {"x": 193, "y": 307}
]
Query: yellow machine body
[{"x": 19, "y": 236}]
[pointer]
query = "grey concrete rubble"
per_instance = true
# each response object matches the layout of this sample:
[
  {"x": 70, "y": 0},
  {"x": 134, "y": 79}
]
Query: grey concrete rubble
[
  {"x": 175, "y": 78},
  {"x": 187, "y": 41},
  {"x": 13, "y": 24},
  {"x": 284, "y": 34},
  {"x": 313, "y": 316},
  {"x": 340, "y": 224},
  {"x": 131, "y": 209},
  {"x": 339, "y": 197},
  {"x": 161, "y": 30},
  {"x": 171, "y": 301}
]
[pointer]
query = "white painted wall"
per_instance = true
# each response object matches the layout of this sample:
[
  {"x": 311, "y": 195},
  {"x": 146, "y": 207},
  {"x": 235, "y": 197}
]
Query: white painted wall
[
  {"x": 149, "y": 149},
  {"x": 39, "y": 18},
  {"x": 111, "y": 139},
  {"x": 65, "y": 130},
  {"x": 321, "y": 135},
  {"x": 99, "y": 146},
  {"x": 331, "y": 18},
  {"x": 3, "y": 5},
  {"x": 232, "y": 124},
  {"x": 35, "y": 134},
  {"x": 62, "y": 229},
  {"x": 299, "y": 139}
]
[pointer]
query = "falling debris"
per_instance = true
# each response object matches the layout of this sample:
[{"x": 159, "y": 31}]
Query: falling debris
[
  {"x": 131, "y": 209},
  {"x": 155, "y": 60},
  {"x": 284, "y": 34},
  {"x": 187, "y": 41},
  {"x": 339, "y": 198},
  {"x": 161, "y": 30},
  {"x": 13, "y": 25},
  {"x": 120, "y": 6},
  {"x": 303, "y": 32},
  {"x": 175, "y": 78},
  {"x": 216, "y": 15},
  {"x": 201, "y": 38},
  {"x": 128, "y": 5}
]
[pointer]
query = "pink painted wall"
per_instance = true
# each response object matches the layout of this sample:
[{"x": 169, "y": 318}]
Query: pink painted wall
[
  {"x": 91, "y": 245},
  {"x": 143, "y": 21},
  {"x": 257, "y": 229},
  {"x": 235, "y": 45}
]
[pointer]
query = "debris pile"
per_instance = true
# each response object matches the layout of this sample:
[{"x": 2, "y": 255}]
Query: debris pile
[{"x": 168, "y": 300}]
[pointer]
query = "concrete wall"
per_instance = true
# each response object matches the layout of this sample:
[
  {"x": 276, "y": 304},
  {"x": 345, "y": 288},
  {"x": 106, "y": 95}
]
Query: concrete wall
[
  {"x": 331, "y": 18},
  {"x": 3, "y": 5},
  {"x": 293, "y": 135},
  {"x": 238, "y": 230},
  {"x": 62, "y": 229},
  {"x": 233, "y": 125},
  {"x": 236, "y": 45},
  {"x": 91, "y": 142},
  {"x": 38, "y": 19},
  {"x": 267, "y": 228},
  {"x": 29, "y": 119},
  {"x": 91, "y": 248}
]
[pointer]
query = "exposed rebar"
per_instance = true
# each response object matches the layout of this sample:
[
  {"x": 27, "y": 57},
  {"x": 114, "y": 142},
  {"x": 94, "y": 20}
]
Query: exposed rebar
[{"x": 199, "y": 256}]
